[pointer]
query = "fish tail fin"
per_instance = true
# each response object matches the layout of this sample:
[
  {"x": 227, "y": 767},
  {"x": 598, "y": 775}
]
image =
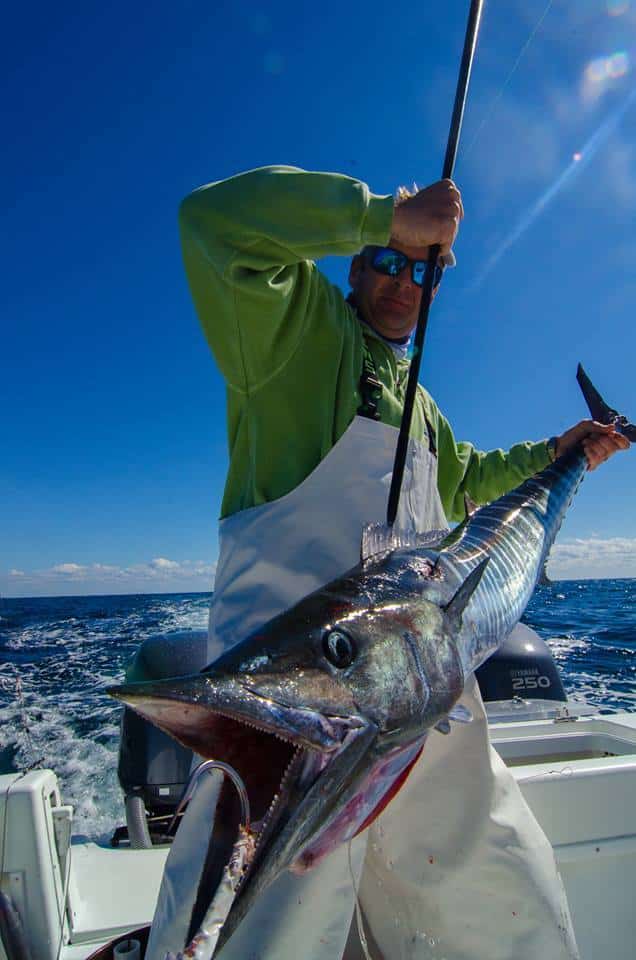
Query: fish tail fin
[{"x": 600, "y": 410}]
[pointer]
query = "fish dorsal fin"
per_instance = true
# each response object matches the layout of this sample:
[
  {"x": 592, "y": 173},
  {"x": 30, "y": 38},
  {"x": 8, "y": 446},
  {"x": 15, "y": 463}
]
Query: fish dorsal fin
[
  {"x": 379, "y": 538},
  {"x": 469, "y": 506},
  {"x": 455, "y": 609},
  {"x": 460, "y": 714}
]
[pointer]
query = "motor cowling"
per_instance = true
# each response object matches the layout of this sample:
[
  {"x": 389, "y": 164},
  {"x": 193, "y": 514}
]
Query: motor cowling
[
  {"x": 153, "y": 769},
  {"x": 524, "y": 667}
]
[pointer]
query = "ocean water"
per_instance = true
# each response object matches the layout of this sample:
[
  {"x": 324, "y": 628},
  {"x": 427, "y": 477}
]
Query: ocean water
[{"x": 58, "y": 654}]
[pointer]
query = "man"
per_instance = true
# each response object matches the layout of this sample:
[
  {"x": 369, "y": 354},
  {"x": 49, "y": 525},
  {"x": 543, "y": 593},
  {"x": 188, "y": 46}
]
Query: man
[{"x": 456, "y": 867}]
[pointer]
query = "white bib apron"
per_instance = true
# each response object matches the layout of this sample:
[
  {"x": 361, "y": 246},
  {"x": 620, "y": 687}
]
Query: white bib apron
[{"x": 456, "y": 868}]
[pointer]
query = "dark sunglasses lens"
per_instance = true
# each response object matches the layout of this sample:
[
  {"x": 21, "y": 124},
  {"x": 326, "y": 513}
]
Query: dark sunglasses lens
[
  {"x": 419, "y": 270},
  {"x": 389, "y": 262}
]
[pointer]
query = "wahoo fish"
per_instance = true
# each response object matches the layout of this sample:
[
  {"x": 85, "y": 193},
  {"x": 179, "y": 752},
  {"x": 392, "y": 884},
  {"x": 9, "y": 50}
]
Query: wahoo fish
[{"x": 324, "y": 710}]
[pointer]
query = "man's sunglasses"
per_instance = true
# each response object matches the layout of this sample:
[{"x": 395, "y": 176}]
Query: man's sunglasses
[{"x": 391, "y": 263}]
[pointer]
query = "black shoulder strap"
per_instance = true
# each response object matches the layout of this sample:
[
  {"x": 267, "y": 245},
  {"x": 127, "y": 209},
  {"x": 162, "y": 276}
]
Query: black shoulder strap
[
  {"x": 432, "y": 445},
  {"x": 371, "y": 393},
  {"x": 370, "y": 386}
]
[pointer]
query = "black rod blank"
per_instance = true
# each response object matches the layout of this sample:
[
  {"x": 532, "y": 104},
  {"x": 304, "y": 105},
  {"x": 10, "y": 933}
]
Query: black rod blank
[{"x": 463, "y": 80}]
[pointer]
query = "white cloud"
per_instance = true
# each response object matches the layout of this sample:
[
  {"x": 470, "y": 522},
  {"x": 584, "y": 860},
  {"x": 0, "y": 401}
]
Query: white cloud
[
  {"x": 161, "y": 567},
  {"x": 160, "y": 563},
  {"x": 70, "y": 569},
  {"x": 593, "y": 557},
  {"x": 160, "y": 573}
]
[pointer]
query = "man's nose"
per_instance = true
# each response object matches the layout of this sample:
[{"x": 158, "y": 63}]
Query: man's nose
[{"x": 403, "y": 279}]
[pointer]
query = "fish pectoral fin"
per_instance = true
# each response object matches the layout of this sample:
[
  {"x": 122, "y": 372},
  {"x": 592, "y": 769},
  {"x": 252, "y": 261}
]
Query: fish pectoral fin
[
  {"x": 443, "y": 726},
  {"x": 460, "y": 714},
  {"x": 455, "y": 609},
  {"x": 378, "y": 538}
]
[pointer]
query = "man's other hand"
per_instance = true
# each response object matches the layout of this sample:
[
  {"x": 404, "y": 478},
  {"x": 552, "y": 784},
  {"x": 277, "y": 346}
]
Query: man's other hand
[{"x": 599, "y": 441}]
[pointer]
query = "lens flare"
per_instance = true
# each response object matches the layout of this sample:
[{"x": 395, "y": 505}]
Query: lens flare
[
  {"x": 617, "y": 65},
  {"x": 616, "y": 8},
  {"x": 601, "y": 72},
  {"x": 578, "y": 162}
]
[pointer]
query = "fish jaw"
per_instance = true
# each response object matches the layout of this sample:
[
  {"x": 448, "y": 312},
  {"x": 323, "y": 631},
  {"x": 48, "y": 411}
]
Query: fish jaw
[
  {"x": 188, "y": 709},
  {"x": 312, "y": 812},
  {"x": 296, "y": 764},
  {"x": 370, "y": 793}
]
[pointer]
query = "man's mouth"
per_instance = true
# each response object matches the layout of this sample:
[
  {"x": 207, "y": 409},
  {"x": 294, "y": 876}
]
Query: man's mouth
[{"x": 395, "y": 304}]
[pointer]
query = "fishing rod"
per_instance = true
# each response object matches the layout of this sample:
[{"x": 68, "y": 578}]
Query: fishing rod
[{"x": 465, "y": 67}]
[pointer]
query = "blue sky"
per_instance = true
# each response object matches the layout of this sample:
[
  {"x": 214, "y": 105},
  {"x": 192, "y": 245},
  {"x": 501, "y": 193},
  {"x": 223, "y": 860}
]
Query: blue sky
[{"x": 113, "y": 415}]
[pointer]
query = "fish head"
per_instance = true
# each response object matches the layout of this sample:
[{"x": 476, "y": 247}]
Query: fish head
[
  {"x": 359, "y": 664},
  {"x": 321, "y": 712}
]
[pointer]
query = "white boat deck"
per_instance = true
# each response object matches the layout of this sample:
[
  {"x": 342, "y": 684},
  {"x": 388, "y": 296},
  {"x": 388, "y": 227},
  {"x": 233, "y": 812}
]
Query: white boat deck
[
  {"x": 112, "y": 890},
  {"x": 579, "y": 778}
]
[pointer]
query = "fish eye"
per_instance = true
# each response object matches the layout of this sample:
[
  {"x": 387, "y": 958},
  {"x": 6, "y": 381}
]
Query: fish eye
[{"x": 339, "y": 648}]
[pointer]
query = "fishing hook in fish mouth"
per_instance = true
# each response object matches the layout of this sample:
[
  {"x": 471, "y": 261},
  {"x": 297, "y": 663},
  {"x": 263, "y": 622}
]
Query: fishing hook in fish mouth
[
  {"x": 231, "y": 774},
  {"x": 203, "y": 945}
]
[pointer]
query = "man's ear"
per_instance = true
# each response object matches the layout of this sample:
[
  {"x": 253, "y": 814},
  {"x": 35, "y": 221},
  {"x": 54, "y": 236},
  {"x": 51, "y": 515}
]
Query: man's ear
[{"x": 356, "y": 268}]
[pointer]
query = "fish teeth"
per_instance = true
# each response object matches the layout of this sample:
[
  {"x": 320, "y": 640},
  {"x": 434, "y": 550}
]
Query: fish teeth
[
  {"x": 268, "y": 820},
  {"x": 254, "y": 726},
  {"x": 279, "y": 793}
]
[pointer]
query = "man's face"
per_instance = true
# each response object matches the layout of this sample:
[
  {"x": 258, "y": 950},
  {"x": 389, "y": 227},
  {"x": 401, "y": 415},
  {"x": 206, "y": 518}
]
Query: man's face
[{"x": 388, "y": 304}]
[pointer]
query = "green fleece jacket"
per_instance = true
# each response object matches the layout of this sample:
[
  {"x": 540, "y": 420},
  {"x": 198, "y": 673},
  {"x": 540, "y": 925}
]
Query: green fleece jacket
[{"x": 291, "y": 348}]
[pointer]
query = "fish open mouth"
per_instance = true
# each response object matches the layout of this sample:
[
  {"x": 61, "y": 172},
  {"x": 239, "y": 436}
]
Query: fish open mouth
[{"x": 278, "y": 751}]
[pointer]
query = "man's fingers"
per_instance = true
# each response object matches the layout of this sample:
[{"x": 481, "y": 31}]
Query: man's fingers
[
  {"x": 621, "y": 442},
  {"x": 599, "y": 440},
  {"x": 599, "y": 447},
  {"x": 453, "y": 190},
  {"x": 446, "y": 231},
  {"x": 444, "y": 196},
  {"x": 457, "y": 198},
  {"x": 431, "y": 216}
]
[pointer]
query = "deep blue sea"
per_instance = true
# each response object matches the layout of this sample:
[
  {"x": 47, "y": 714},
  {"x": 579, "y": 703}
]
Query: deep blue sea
[{"x": 58, "y": 654}]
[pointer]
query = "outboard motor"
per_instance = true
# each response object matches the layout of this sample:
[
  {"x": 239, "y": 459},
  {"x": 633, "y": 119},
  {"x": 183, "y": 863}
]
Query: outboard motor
[
  {"x": 153, "y": 768},
  {"x": 522, "y": 667}
]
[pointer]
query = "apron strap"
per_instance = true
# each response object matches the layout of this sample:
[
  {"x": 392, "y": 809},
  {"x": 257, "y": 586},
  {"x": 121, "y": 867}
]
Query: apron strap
[{"x": 370, "y": 386}]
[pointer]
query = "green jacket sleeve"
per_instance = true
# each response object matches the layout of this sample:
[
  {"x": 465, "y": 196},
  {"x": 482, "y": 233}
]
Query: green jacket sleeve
[
  {"x": 484, "y": 476},
  {"x": 249, "y": 244}
]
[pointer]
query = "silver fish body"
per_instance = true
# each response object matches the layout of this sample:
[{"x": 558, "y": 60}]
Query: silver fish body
[{"x": 516, "y": 533}]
